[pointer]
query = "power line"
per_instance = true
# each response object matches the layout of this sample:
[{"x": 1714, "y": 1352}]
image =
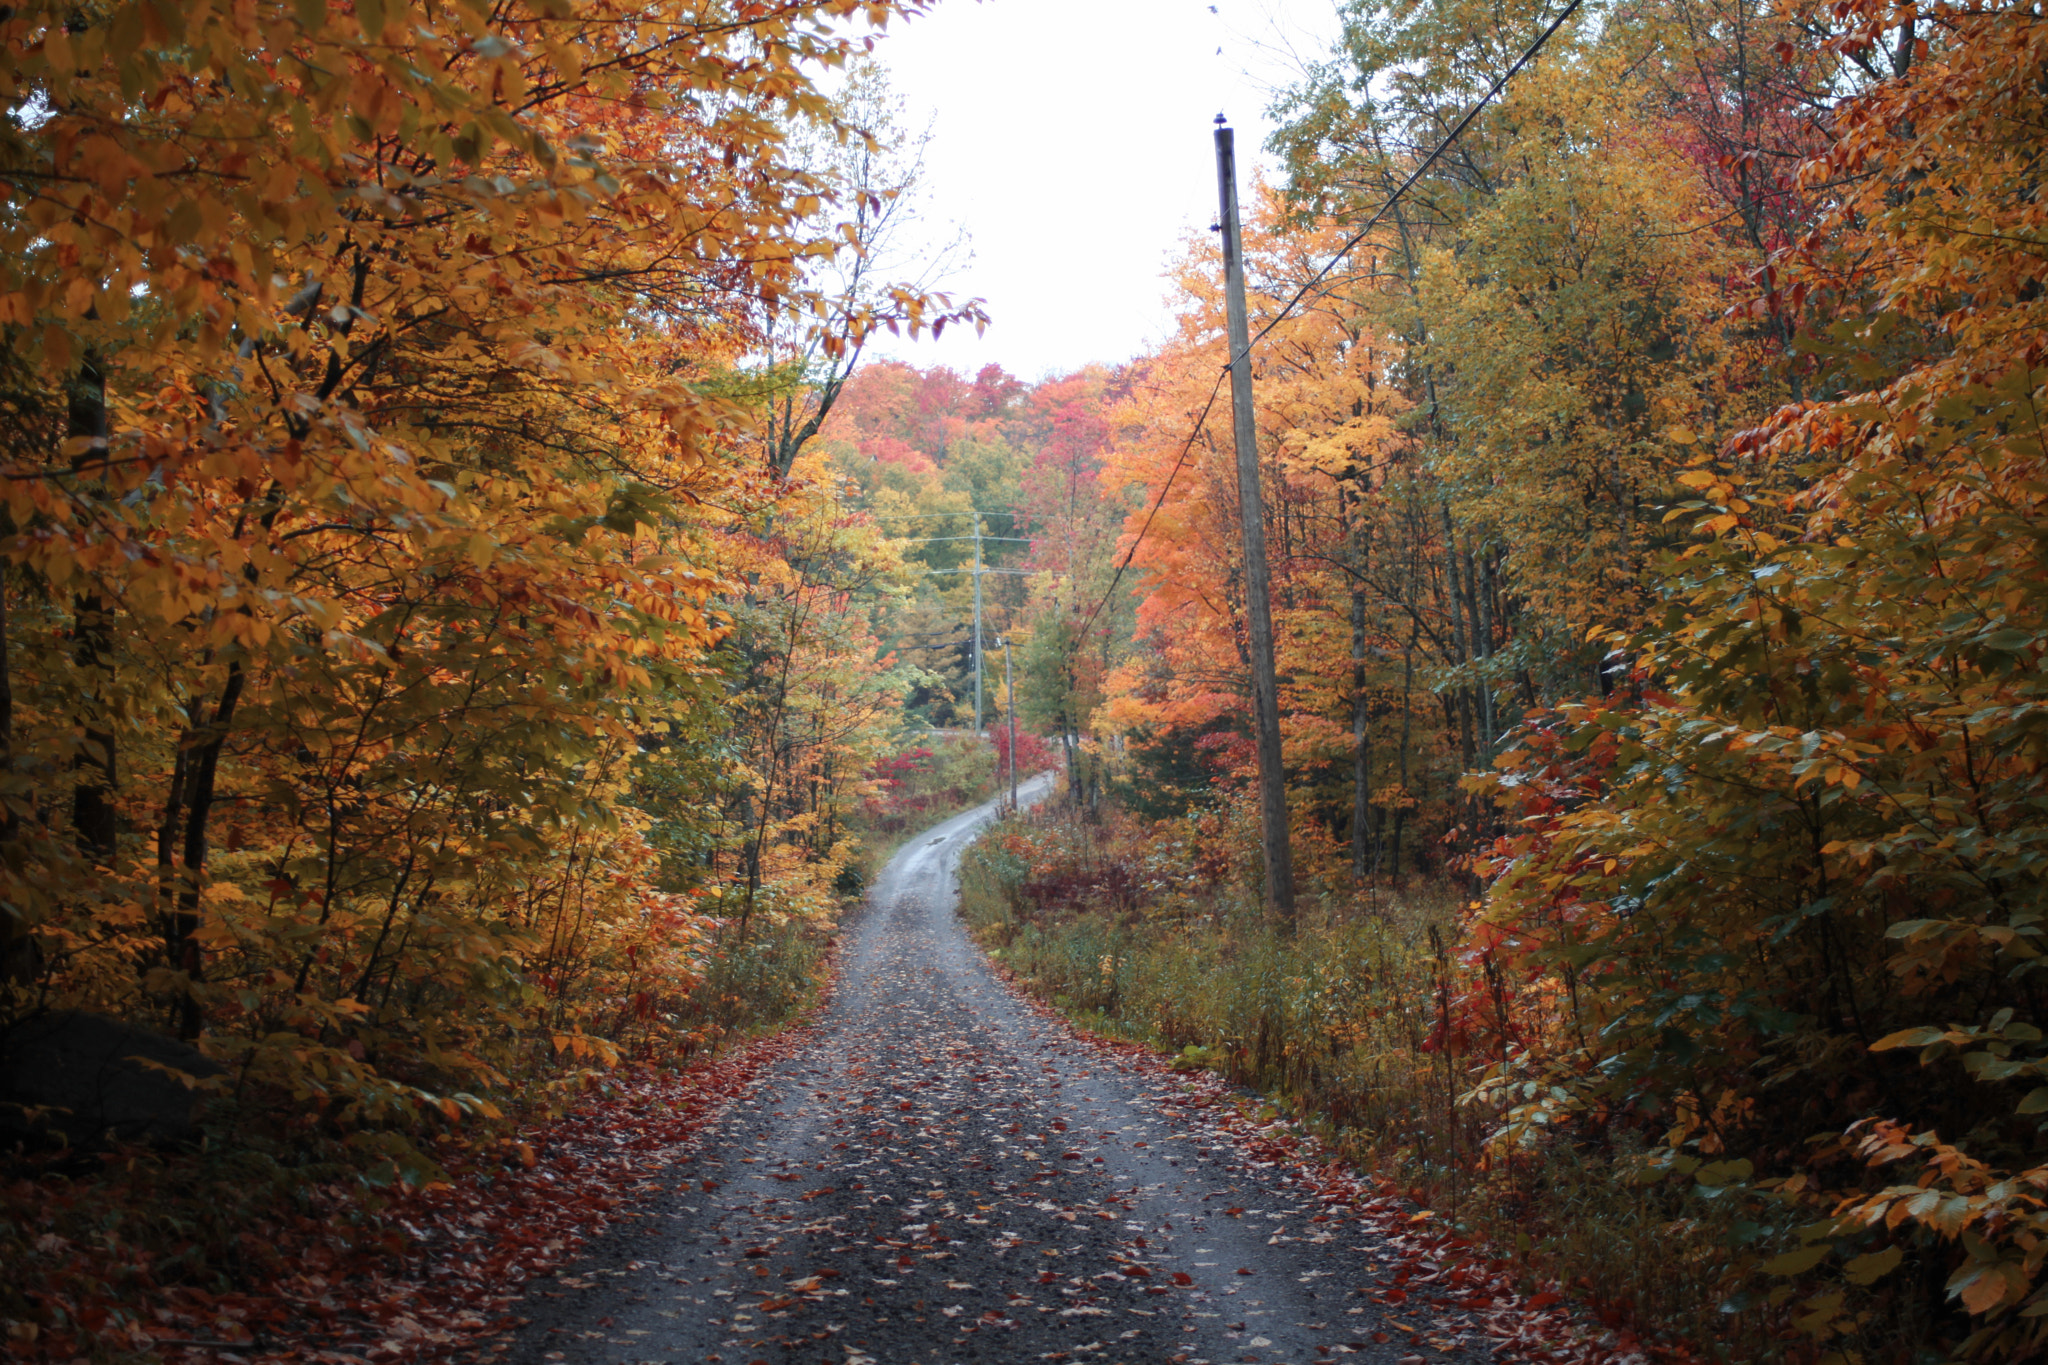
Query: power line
[
  {"x": 1193, "y": 434},
  {"x": 1343, "y": 251},
  {"x": 1456, "y": 131},
  {"x": 940, "y": 516}
]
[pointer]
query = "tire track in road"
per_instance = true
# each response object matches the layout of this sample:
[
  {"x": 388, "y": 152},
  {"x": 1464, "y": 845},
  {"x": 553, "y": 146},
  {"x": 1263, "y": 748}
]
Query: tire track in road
[{"x": 944, "y": 1175}]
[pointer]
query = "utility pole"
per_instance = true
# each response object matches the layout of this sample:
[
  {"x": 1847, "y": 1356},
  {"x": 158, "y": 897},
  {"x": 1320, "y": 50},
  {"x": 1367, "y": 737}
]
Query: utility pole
[
  {"x": 977, "y": 623},
  {"x": 1010, "y": 696},
  {"x": 980, "y": 571},
  {"x": 1257, "y": 584}
]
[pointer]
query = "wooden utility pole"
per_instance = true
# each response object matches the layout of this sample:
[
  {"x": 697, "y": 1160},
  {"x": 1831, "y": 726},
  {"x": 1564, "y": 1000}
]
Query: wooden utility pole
[
  {"x": 977, "y": 623},
  {"x": 1257, "y": 584},
  {"x": 1010, "y": 695}
]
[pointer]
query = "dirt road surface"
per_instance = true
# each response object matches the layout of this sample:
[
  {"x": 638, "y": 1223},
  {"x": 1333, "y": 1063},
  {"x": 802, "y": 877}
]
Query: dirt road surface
[{"x": 944, "y": 1175}]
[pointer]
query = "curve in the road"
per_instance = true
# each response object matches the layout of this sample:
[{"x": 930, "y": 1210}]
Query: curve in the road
[{"x": 944, "y": 1175}]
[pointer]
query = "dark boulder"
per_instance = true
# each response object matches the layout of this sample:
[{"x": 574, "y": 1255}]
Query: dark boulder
[{"x": 86, "y": 1078}]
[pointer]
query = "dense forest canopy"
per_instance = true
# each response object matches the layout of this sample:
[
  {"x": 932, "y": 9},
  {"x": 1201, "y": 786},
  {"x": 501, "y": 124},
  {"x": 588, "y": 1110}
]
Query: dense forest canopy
[
  {"x": 1653, "y": 497},
  {"x": 469, "y": 598}
]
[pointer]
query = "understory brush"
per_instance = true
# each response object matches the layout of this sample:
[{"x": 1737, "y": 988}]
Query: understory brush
[
  {"x": 276, "y": 1253},
  {"x": 100, "y": 1243},
  {"x": 105, "y": 1249},
  {"x": 755, "y": 984},
  {"x": 1383, "y": 1027},
  {"x": 922, "y": 784}
]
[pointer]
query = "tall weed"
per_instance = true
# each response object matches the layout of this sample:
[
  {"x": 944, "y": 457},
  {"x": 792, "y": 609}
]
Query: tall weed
[
  {"x": 925, "y": 782},
  {"x": 1362, "y": 1022}
]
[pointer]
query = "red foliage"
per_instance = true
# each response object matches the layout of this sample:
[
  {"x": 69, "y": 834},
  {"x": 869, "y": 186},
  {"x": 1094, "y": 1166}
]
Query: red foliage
[
  {"x": 892, "y": 773},
  {"x": 899, "y": 413},
  {"x": 431, "y": 1273},
  {"x": 1035, "y": 754},
  {"x": 897, "y": 451},
  {"x": 920, "y": 785},
  {"x": 1432, "y": 1267}
]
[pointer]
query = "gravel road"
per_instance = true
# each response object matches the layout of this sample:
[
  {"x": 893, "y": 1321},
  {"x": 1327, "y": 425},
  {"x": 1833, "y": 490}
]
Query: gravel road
[{"x": 944, "y": 1175}]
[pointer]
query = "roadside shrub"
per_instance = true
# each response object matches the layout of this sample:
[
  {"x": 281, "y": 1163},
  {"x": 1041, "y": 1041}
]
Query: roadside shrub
[
  {"x": 925, "y": 783},
  {"x": 1385, "y": 1023}
]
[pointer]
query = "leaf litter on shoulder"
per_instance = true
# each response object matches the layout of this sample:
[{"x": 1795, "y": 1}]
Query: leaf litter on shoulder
[
  {"x": 1429, "y": 1263},
  {"x": 429, "y": 1274}
]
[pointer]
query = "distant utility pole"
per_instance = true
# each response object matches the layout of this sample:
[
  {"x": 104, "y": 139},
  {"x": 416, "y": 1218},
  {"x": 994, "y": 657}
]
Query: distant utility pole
[
  {"x": 1010, "y": 696},
  {"x": 980, "y": 571},
  {"x": 977, "y": 623},
  {"x": 1257, "y": 584}
]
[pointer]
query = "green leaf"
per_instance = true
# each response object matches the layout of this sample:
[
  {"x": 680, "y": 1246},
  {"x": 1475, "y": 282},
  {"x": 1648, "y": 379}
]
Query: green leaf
[
  {"x": 1800, "y": 1261},
  {"x": 1874, "y": 1266},
  {"x": 1907, "y": 1037},
  {"x": 1724, "y": 1173}
]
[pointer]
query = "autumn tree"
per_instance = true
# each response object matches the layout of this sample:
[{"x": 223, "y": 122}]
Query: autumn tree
[
  {"x": 1793, "y": 876},
  {"x": 363, "y": 375}
]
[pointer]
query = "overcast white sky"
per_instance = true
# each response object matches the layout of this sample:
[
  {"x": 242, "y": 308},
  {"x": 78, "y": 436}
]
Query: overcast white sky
[{"x": 1071, "y": 138}]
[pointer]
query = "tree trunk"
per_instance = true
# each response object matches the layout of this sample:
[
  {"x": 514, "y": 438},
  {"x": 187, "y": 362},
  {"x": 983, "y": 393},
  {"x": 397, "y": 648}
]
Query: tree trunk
[
  {"x": 1481, "y": 619},
  {"x": 1361, "y": 746},
  {"x": 9, "y": 820},
  {"x": 94, "y": 821},
  {"x": 1407, "y": 721},
  {"x": 167, "y": 851},
  {"x": 201, "y": 770},
  {"x": 1458, "y": 704},
  {"x": 20, "y": 956}
]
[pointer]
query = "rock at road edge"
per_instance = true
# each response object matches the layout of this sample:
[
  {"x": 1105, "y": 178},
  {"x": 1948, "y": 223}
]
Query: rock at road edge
[{"x": 85, "y": 1076}]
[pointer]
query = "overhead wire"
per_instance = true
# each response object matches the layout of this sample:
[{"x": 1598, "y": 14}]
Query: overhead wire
[
  {"x": 1457, "y": 130},
  {"x": 1343, "y": 251}
]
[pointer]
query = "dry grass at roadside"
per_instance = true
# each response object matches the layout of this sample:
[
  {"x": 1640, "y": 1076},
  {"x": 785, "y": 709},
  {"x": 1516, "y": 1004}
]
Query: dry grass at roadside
[{"x": 1348, "y": 1024}]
